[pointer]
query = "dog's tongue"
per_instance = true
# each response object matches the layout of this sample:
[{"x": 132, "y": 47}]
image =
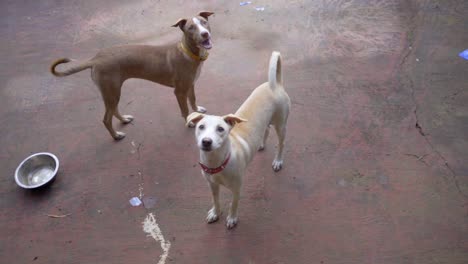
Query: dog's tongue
[{"x": 206, "y": 44}]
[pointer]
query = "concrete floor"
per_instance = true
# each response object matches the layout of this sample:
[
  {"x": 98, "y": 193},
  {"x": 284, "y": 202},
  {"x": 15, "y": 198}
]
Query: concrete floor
[{"x": 376, "y": 166}]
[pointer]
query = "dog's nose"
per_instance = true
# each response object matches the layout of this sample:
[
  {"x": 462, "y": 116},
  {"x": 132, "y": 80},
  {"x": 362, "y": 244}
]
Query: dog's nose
[
  {"x": 206, "y": 142},
  {"x": 205, "y": 34}
]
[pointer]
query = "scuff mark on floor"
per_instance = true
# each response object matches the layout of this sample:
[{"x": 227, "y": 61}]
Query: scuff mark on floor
[
  {"x": 140, "y": 185},
  {"x": 151, "y": 227}
]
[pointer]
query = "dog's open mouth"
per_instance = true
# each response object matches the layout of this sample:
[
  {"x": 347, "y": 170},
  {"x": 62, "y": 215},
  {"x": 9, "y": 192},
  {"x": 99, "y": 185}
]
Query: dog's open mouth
[{"x": 207, "y": 43}]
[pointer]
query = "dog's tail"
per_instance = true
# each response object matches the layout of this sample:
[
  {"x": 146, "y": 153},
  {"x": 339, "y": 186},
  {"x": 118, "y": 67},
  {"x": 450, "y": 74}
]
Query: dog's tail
[
  {"x": 275, "y": 77},
  {"x": 70, "y": 71}
]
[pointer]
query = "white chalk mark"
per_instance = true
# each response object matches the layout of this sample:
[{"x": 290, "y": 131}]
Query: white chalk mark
[
  {"x": 133, "y": 151},
  {"x": 152, "y": 229},
  {"x": 140, "y": 189}
]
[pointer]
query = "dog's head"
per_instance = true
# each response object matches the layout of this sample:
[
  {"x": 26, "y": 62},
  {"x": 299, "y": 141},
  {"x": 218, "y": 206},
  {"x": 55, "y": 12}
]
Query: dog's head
[
  {"x": 197, "y": 29},
  {"x": 212, "y": 131}
]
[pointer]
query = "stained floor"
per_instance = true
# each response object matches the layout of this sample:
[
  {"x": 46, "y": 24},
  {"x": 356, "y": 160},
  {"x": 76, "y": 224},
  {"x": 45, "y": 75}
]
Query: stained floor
[{"x": 376, "y": 165}]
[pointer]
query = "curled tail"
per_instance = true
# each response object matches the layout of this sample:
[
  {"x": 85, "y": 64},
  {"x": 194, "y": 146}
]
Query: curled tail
[
  {"x": 70, "y": 71},
  {"x": 275, "y": 76}
]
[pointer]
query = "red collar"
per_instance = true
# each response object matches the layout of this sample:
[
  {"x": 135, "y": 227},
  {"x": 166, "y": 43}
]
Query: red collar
[{"x": 215, "y": 170}]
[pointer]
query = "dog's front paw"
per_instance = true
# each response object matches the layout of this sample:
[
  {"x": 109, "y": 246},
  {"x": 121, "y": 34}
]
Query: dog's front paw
[
  {"x": 201, "y": 109},
  {"x": 277, "y": 165},
  {"x": 119, "y": 135},
  {"x": 231, "y": 222},
  {"x": 212, "y": 216}
]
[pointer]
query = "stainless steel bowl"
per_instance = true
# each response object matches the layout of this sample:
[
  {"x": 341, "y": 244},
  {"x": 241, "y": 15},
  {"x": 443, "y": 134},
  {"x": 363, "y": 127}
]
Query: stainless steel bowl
[{"x": 36, "y": 170}]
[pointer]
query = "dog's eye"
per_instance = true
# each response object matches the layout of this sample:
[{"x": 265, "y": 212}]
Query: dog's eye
[
  {"x": 220, "y": 129},
  {"x": 192, "y": 27},
  {"x": 201, "y": 127},
  {"x": 203, "y": 22}
]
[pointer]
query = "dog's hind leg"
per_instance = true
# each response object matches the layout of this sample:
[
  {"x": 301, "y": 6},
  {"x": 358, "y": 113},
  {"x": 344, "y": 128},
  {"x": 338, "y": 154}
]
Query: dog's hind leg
[
  {"x": 278, "y": 161},
  {"x": 107, "y": 120},
  {"x": 265, "y": 136},
  {"x": 123, "y": 118},
  {"x": 280, "y": 120},
  {"x": 111, "y": 96}
]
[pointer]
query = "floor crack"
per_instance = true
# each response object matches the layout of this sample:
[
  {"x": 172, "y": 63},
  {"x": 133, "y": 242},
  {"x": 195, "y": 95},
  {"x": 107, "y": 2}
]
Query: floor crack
[
  {"x": 420, "y": 130},
  {"x": 449, "y": 168},
  {"x": 429, "y": 143},
  {"x": 416, "y": 117}
]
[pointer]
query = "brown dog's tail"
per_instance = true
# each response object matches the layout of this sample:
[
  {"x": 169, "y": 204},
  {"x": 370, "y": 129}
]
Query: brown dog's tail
[
  {"x": 275, "y": 75},
  {"x": 70, "y": 71}
]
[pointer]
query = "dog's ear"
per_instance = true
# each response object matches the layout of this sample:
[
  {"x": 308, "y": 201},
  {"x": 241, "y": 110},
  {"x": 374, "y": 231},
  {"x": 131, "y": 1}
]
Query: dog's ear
[
  {"x": 180, "y": 23},
  {"x": 233, "y": 119},
  {"x": 205, "y": 14},
  {"x": 194, "y": 118}
]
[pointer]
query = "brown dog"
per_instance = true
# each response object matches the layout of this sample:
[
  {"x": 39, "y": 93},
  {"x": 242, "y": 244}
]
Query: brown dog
[{"x": 176, "y": 65}]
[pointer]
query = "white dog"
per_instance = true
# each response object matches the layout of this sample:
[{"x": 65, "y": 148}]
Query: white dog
[{"x": 228, "y": 143}]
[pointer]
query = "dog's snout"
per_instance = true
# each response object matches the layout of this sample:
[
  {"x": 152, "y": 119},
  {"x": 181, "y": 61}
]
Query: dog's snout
[
  {"x": 206, "y": 142},
  {"x": 205, "y": 34}
]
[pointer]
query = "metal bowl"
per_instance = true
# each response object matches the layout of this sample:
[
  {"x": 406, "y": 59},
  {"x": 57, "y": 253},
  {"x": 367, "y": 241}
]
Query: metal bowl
[{"x": 36, "y": 170}]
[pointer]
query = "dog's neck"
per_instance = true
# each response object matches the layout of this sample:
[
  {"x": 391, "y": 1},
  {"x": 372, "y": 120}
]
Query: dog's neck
[
  {"x": 192, "y": 47},
  {"x": 215, "y": 158}
]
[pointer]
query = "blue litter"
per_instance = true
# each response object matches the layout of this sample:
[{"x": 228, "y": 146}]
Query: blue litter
[
  {"x": 464, "y": 54},
  {"x": 260, "y": 8},
  {"x": 135, "y": 201},
  {"x": 245, "y": 3}
]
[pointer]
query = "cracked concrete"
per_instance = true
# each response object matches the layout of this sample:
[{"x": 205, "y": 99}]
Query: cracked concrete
[{"x": 407, "y": 72}]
